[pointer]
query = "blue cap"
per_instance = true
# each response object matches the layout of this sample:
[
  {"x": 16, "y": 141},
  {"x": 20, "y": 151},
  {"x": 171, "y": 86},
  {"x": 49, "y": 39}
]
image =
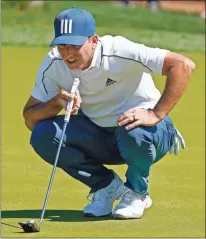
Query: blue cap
[{"x": 73, "y": 27}]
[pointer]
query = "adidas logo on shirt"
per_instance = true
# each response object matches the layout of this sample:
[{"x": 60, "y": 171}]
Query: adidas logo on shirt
[{"x": 109, "y": 82}]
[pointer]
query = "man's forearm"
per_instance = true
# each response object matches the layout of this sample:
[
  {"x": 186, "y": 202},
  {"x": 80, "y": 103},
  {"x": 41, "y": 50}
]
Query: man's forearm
[
  {"x": 41, "y": 111},
  {"x": 176, "y": 83}
]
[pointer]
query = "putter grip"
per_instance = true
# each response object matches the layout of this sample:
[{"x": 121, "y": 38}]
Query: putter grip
[{"x": 70, "y": 103}]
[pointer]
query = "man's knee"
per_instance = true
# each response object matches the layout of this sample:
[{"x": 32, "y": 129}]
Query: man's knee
[
  {"x": 41, "y": 132},
  {"x": 136, "y": 144},
  {"x": 139, "y": 135},
  {"x": 45, "y": 140}
]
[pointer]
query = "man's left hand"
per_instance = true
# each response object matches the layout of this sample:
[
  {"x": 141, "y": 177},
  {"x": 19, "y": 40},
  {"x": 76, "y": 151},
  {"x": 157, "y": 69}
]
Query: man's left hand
[{"x": 136, "y": 117}]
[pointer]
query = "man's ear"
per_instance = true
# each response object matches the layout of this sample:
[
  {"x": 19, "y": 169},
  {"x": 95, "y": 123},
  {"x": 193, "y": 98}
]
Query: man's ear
[{"x": 94, "y": 39}]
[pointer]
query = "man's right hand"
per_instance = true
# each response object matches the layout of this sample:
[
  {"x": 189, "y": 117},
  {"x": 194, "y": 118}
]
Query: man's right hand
[
  {"x": 63, "y": 97},
  {"x": 36, "y": 110}
]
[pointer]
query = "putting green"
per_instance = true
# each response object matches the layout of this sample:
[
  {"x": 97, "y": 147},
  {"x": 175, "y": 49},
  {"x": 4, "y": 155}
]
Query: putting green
[{"x": 177, "y": 183}]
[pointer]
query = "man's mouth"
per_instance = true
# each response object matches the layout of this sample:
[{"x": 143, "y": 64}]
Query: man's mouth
[{"x": 72, "y": 61}]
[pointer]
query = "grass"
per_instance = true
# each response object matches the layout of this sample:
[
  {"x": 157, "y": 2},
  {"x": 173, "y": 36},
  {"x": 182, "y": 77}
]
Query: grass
[
  {"x": 177, "y": 183},
  {"x": 175, "y": 31},
  {"x": 105, "y": 14}
]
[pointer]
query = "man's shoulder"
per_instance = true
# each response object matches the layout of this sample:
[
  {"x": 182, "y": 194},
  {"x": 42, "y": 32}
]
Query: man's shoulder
[
  {"x": 51, "y": 61},
  {"x": 51, "y": 58},
  {"x": 119, "y": 46},
  {"x": 106, "y": 42},
  {"x": 53, "y": 54},
  {"x": 112, "y": 41}
]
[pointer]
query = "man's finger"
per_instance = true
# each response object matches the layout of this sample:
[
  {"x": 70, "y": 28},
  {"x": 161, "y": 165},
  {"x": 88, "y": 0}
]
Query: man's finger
[
  {"x": 74, "y": 110},
  {"x": 121, "y": 117},
  {"x": 124, "y": 116},
  {"x": 127, "y": 120},
  {"x": 133, "y": 125},
  {"x": 75, "y": 99},
  {"x": 65, "y": 95}
]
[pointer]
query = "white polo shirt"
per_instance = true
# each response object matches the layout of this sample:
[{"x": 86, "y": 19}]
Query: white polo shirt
[{"x": 117, "y": 80}]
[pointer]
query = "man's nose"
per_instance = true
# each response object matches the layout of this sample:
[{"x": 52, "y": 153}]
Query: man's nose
[{"x": 69, "y": 50}]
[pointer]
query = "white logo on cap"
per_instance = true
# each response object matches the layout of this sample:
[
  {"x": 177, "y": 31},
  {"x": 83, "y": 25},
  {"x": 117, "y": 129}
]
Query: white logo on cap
[{"x": 65, "y": 27}]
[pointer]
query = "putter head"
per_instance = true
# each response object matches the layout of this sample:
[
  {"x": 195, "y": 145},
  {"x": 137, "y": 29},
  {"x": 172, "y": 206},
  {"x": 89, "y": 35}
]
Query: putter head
[{"x": 29, "y": 226}]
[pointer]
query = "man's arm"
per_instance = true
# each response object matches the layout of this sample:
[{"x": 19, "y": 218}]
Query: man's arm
[
  {"x": 178, "y": 69},
  {"x": 36, "y": 110}
]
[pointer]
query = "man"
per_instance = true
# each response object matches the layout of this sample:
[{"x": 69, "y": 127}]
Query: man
[{"x": 123, "y": 118}]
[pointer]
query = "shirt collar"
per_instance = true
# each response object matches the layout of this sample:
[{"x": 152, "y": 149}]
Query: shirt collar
[{"x": 97, "y": 58}]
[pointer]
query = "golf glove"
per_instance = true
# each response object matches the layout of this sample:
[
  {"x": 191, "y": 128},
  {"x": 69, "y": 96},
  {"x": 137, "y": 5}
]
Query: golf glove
[{"x": 178, "y": 141}]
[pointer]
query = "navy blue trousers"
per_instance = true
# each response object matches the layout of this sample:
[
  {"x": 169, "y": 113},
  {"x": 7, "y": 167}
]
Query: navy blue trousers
[{"x": 87, "y": 148}]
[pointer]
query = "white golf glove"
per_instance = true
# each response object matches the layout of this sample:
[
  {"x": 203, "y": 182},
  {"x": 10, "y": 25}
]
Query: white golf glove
[{"x": 178, "y": 141}]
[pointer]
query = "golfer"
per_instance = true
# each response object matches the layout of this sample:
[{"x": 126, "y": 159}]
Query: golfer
[{"x": 119, "y": 116}]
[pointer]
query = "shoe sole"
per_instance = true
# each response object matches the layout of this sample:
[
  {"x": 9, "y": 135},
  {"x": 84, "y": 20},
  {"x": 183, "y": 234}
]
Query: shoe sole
[
  {"x": 117, "y": 216},
  {"x": 121, "y": 217},
  {"x": 92, "y": 215}
]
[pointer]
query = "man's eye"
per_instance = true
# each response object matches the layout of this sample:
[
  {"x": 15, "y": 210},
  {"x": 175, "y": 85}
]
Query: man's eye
[{"x": 61, "y": 46}]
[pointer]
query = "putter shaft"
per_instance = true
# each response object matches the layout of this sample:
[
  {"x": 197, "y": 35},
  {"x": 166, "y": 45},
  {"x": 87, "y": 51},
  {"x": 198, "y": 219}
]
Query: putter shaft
[
  {"x": 31, "y": 225},
  {"x": 52, "y": 174}
]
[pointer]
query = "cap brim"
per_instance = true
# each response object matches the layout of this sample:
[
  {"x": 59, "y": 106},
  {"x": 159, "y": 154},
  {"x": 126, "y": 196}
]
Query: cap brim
[{"x": 70, "y": 40}]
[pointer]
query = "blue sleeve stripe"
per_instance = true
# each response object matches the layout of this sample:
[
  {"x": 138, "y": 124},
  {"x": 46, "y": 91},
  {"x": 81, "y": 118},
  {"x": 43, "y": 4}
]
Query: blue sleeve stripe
[
  {"x": 127, "y": 59},
  {"x": 44, "y": 73}
]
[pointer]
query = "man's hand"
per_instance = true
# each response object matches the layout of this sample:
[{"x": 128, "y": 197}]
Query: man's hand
[
  {"x": 136, "y": 116},
  {"x": 63, "y": 97}
]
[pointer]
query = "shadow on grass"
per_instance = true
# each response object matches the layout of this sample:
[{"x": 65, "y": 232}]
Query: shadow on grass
[{"x": 52, "y": 215}]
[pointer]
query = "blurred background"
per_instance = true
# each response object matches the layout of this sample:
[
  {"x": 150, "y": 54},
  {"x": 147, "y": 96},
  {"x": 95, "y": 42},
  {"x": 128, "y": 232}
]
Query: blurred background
[
  {"x": 170, "y": 24},
  {"x": 177, "y": 183}
]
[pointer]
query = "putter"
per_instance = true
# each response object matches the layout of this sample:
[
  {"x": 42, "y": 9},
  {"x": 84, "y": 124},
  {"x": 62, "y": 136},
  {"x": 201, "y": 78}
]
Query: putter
[{"x": 31, "y": 225}]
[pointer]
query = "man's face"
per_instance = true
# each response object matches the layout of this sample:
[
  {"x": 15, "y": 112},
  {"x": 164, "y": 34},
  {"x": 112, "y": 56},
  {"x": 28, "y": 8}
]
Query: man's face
[{"x": 78, "y": 57}]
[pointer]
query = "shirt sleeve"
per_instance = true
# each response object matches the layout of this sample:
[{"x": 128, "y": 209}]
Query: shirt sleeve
[
  {"x": 45, "y": 87},
  {"x": 150, "y": 59}
]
